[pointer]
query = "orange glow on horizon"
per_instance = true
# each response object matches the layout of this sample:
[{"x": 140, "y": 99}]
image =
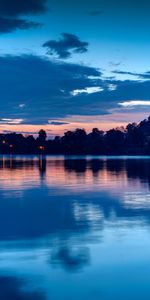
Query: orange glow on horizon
[{"x": 105, "y": 122}]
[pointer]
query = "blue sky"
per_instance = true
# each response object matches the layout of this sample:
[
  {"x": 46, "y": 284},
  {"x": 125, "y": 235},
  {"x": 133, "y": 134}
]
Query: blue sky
[{"x": 67, "y": 64}]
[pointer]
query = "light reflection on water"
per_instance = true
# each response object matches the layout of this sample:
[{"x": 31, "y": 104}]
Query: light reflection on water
[{"x": 74, "y": 228}]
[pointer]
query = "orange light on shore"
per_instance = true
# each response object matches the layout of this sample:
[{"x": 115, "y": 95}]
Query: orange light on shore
[{"x": 41, "y": 148}]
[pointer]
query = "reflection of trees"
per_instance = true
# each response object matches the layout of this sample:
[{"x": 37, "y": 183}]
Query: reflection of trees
[
  {"x": 138, "y": 169},
  {"x": 116, "y": 166},
  {"x": 134, "y": 168},
  {"x": 76, "y": 165},
  {"x": 12, "y": 163},
  {"x": 42, "y": 166}
]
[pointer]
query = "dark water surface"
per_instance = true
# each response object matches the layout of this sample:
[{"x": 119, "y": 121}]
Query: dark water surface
[{"x": 74, "y": 228}]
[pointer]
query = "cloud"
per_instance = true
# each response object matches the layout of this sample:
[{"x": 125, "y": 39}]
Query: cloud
[
  {"x": 87, "y": 90},
  {"x": 112, "y": 87},
  {"x": 145, "y": 75},
  {"x": 11, "y": 13},
  {"x": 57, "y": 123},
  {"x": 22, "y": 105},
  {"x": 15, "y": 8},
  {"x": 135, "y": 103},
  {"x": 11, "y": 121},
  {"x": 8, "y": 25},
  {"x": 114, "y": 64},
  {"x": 65, "y": 46},
  {"x": 43, "y": 93},
  {"x": 46, "y": 97},
  {"x": 125, "y": 73}
]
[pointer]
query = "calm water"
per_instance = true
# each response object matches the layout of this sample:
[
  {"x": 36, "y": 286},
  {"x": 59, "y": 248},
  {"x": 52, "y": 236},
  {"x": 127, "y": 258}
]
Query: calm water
[{"x": 74, "y": 228}]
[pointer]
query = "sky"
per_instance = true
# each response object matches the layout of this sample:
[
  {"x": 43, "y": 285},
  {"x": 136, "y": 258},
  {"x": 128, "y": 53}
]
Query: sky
[{"x": 73, "y": 64}]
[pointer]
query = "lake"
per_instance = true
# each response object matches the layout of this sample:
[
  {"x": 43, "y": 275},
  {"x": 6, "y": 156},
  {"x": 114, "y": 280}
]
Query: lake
[{"x": 74, "y": 228}]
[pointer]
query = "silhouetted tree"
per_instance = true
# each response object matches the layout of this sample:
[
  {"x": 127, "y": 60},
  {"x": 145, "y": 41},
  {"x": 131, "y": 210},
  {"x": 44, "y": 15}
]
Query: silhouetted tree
[
  {"x": 41, "y": 141},
  {"x": 135, "y": 139},
  {"x": 95, "y": 142},
  {"x": 42, "y": 136},
  {"x": 115, "y": 141}
]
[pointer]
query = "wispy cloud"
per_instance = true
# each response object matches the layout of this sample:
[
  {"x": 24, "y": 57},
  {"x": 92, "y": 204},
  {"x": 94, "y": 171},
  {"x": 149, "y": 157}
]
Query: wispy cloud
[
  {"x": 135, "y": 103},
  {"x": 57, "y": 123},
  {"x": 11, "y": 121},
  {"x": 88, "y": 90},
  {"x": 144, "y": 76}
]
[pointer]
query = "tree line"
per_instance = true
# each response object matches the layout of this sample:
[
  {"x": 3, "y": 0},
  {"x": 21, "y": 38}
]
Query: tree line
[{"x": 132, "y": 140}]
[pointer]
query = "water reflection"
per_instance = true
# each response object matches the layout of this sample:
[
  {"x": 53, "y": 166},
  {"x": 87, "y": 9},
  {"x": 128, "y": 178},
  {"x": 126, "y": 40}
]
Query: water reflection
[
  {"x": 87, "y": 217},
  {"x": 10, "y": 288},
  {"x": 72, "y": 259}
]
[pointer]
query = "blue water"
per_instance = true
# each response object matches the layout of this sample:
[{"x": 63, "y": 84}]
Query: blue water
[{"x": 74, "y": 228}]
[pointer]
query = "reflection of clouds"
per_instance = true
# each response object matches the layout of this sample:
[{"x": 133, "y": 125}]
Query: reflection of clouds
[
  {"x": 29, "y": 268},
  {"x": 136, "y": 199},
  {"x": 37, "y": 263},
  {"x": 87, "y": 212},
  {"x": 72, "y": 258},
  {"x": 12, "y": 288}
]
